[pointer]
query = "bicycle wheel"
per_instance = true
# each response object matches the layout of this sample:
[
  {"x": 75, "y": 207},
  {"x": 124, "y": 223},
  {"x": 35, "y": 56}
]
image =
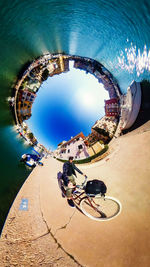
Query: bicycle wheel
[{"x": 99, "y": 208}]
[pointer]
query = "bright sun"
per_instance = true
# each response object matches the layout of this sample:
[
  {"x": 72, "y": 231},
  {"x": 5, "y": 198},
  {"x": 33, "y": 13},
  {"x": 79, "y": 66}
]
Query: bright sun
[
  {"x": 88, "y": 99},
  {"x": 91, "y": 100}
]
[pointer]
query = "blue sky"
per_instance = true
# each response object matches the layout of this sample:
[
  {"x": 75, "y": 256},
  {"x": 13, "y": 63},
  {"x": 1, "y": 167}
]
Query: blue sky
[{"x": 65, "y": 105}]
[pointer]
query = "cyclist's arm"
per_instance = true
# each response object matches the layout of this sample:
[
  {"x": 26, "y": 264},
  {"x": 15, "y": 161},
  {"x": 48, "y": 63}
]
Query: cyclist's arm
[{"x": 77, "y": 169}]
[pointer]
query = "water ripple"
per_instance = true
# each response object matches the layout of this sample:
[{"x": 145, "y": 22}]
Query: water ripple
[{"x": 133, "y": 59}]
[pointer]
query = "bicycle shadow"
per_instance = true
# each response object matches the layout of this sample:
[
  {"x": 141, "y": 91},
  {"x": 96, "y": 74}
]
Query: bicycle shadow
[{"x": 77, "y": 204}]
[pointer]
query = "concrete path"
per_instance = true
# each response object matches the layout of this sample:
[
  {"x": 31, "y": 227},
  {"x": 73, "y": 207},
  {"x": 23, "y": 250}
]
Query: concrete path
[{"x": 51, "y": 233}]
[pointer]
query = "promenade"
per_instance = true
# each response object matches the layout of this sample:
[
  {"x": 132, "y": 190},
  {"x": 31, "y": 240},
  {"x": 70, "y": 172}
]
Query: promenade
[{"x": 50, "y": 233}]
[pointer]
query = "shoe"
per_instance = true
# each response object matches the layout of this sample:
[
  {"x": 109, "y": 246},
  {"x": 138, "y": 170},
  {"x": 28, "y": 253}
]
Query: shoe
[{"x": 70, "y": 202}]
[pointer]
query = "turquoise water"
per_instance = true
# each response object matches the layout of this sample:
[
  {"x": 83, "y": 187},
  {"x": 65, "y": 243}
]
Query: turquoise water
[{"x": 112, "y": 32}]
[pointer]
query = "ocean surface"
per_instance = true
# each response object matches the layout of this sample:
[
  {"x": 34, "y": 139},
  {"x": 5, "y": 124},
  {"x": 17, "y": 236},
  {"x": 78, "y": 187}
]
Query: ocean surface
[{"x": 114, "y": 32}]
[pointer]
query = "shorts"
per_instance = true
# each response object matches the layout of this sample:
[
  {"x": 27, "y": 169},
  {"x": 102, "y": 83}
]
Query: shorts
[{"x": 69, "y": 190}]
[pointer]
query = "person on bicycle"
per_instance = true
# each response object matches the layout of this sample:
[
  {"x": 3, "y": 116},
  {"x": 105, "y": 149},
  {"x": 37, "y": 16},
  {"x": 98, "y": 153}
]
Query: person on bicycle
[{"x": 69, "y": 175}]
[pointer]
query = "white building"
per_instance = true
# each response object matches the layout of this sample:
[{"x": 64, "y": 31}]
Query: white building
[{"x": 75, "y": 147}]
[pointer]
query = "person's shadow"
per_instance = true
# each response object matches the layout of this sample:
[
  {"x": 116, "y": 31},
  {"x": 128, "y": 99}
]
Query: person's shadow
[{"x": 60, "y": 183}]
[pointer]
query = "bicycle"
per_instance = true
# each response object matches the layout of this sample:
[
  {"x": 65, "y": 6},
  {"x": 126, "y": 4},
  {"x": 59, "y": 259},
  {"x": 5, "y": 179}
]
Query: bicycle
[{"x": 97, "y": 207}]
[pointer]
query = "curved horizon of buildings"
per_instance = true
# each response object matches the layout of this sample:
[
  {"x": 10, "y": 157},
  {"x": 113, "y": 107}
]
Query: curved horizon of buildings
[{"x": 120, "y": 110}]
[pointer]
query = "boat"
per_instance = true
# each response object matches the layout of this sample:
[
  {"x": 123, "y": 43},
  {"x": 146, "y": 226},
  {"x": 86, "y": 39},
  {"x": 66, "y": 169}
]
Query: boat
[{"x": 31, "y": 160}]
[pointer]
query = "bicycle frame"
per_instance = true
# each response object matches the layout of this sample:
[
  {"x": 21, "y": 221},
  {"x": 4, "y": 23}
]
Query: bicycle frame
[
  {"x": 88, "y": 198},
  {"x": 77, "y": 196},
  {"x": 80, "y": 197}
]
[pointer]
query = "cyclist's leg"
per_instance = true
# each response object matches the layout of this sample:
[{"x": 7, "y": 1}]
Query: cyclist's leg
[
  {"x": 69, "y": 193},
  {"x": 70, "y": 187},
  {"x": 72, "y": 179}
]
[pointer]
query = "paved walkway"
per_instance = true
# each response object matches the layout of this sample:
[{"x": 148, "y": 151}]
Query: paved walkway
[{"x": 50, "y": 233}]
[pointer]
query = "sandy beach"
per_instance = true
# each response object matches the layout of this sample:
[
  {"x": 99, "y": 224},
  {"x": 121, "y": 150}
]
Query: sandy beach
[{"x": 51, "y": 233}]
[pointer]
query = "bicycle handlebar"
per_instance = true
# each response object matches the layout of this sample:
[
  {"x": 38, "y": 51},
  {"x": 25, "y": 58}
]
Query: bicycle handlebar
[
  {"x": 84, "y": 180},
  {"x": 82, "y": 185}
]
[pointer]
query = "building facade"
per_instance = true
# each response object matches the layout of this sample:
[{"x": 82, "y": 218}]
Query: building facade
[
  {"x": 75, "y": 147},
  {"x": 109, "y": 124},
  {"x": 24, "y": 104},
  {"x": 112, "y": 107}
]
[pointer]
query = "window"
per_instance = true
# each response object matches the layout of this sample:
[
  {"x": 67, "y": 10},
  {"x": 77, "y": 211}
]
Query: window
[
  {"x": 68, "y": 150},
  {"x": 80, "y": 147}
]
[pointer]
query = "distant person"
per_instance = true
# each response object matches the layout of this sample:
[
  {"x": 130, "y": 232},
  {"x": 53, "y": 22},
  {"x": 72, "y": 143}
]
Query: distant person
[{"x": 69, "y": 175}]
